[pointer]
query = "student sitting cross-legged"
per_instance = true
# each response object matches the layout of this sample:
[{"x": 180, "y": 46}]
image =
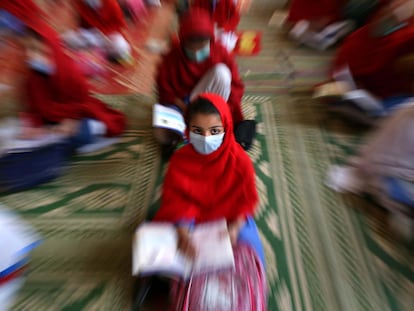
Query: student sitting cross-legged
[
  {"x": 197, "y": 64},
  {"x": 57, "y": 97},
  {"x": 211, "y": 178}
]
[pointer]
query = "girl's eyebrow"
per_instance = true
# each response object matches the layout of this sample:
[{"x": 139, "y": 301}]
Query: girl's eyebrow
[{"x": 211, "y": 127}]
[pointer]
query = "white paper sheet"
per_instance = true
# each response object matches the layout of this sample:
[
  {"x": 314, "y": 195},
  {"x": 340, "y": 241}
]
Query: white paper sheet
[{"x": 168, "y": 118}]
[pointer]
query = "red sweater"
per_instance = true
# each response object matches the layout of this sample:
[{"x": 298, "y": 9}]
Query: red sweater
[
  {"x": 108, "y": 18},
  {"x": 65, "y": 93},
  {"x": 177, "y": 75},
  {"x": 209, "y": 187}
]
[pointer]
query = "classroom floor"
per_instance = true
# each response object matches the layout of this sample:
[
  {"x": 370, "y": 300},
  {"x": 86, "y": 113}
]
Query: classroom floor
[{"x": 324, "y": 251}]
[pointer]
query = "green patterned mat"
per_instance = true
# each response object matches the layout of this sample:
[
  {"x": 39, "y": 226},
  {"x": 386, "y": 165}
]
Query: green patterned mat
[
  {"x": 325, "y": 251},
  {"x": 322, "y": 252},
  {"x": 86, "y": 218}
]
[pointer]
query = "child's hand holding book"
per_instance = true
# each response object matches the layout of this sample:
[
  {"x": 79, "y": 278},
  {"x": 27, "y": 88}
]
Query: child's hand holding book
[{"x": 185, "y": 244}]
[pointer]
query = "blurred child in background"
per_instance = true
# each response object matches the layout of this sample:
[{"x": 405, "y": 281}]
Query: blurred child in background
[
  {"x": 101, "y": 25},
  {"x": 195, "y": 64},
  {"x": 226, "y": 17},
  {"x": 55, "y": 94}
]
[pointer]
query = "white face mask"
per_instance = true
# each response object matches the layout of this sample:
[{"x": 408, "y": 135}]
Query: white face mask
[
  {"x": 41, "y": 66},
  {"x": 200, "y": 55},
  {"x": 206, "y": 144},
  {"x": 94, "y": 4}
]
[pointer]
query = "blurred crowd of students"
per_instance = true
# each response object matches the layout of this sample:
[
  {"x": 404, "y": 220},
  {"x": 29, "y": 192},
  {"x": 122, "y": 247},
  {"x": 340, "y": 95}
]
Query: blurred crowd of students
[
  {"x": 370, "y": 83},
  {"x": 373, "y": 41},
  {"x": 56, "y": 93},
  {"x": 211, "y": 177}
]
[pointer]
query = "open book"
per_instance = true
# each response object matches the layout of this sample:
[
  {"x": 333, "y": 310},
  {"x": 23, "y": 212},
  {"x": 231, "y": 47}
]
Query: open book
[
  {"x": 345, "y": 89},
  {"x": 169, "y": 118},
  {"x": 155, "y": 250},
  {"x": 11, "y": 143},
  {"x": 278, "y": 18},
  {"x": 334, "y": 89},
  {"x": 343, "y": 82},
  {"x": 24, "y": 145},
  {"x": 17, "y": 239}
]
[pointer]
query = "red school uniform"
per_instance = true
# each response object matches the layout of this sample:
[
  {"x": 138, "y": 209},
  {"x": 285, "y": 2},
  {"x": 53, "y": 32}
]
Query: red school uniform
[
  {"x": 177, "y": 75},
  {"x": 209, "y": 187}
]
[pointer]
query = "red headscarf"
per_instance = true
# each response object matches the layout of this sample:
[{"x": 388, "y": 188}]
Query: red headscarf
[
  {"x": 213, "y": 186},
  {"x": 225, "y": 13},
  {"x": 65, "y": 93},
  {"x": 177, "y": 75},
  {"x": 372, "y": 59},
  {"x": 25, "y": 10},
  {"x": 315, "y": 9},
  {"x": 108, "y": 18}
]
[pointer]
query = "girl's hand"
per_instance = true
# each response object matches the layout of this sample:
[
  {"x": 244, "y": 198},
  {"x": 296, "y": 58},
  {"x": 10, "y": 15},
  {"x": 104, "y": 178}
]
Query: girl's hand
[
  {"x": 234, "y": 233},
  {"x": 234, "y": 230},
  {"x": 31, "y": 132},
  {"x": 184, "y": 242},
  {"x": 68, "y": 127},
  {"x": 180, "y": 104}
]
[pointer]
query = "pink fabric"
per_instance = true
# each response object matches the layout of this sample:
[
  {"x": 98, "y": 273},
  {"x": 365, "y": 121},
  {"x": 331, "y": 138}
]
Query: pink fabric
[
  {"x": 137, "y": 8},
  {"x": 91, "y": 62},
  {"x": 244, "y": 288}
]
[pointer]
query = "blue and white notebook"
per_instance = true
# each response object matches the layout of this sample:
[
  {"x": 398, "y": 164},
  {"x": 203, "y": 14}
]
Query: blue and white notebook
[
  {"x": 168, "y": 118},
  {"x": 17, "y": 240}
]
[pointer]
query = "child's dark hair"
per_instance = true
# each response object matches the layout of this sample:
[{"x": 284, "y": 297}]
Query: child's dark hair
[
  {"x": 200, "y": 105},
  {"x": 198, "y": 39},
  {"x": 33, "y": 33}
]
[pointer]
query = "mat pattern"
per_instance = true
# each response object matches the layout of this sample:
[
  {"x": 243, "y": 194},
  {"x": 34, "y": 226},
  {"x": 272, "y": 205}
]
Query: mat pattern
[
  {"x": 86, "y": 218},
  {"x": 324, "y": 251}
]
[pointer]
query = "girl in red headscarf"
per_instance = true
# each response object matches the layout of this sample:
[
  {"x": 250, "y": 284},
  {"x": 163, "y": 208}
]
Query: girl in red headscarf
[
  {"x": 56, "y": 93},
  {"x": 196, "y": 64},
  {"x": 321, "y": 12},
  {"x": 25, "y": 10},
  {"x": 372, "y": 52},
  {"x": 101, "y": 26},
  {"x": 211, "y": 178},
  {"x": 226, "y": 17},
  {"x": 318, "y": 24},
  {"x": 225, "y": 13}
]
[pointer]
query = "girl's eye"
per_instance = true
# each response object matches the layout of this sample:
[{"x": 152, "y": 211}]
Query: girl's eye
[
  {"x": 215, "y": 131},
  {"x": 196, "y": 131}
]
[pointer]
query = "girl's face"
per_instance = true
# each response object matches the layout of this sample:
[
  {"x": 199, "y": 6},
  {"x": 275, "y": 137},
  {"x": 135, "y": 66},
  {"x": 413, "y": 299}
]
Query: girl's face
[
  {"x": 37, "y": 49},
  {"x": 197, "y": 51},
  {"x": 195, "y": 46},
  {"x": 206, "y": 124},
  {"x": 39, "y": 55}
]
